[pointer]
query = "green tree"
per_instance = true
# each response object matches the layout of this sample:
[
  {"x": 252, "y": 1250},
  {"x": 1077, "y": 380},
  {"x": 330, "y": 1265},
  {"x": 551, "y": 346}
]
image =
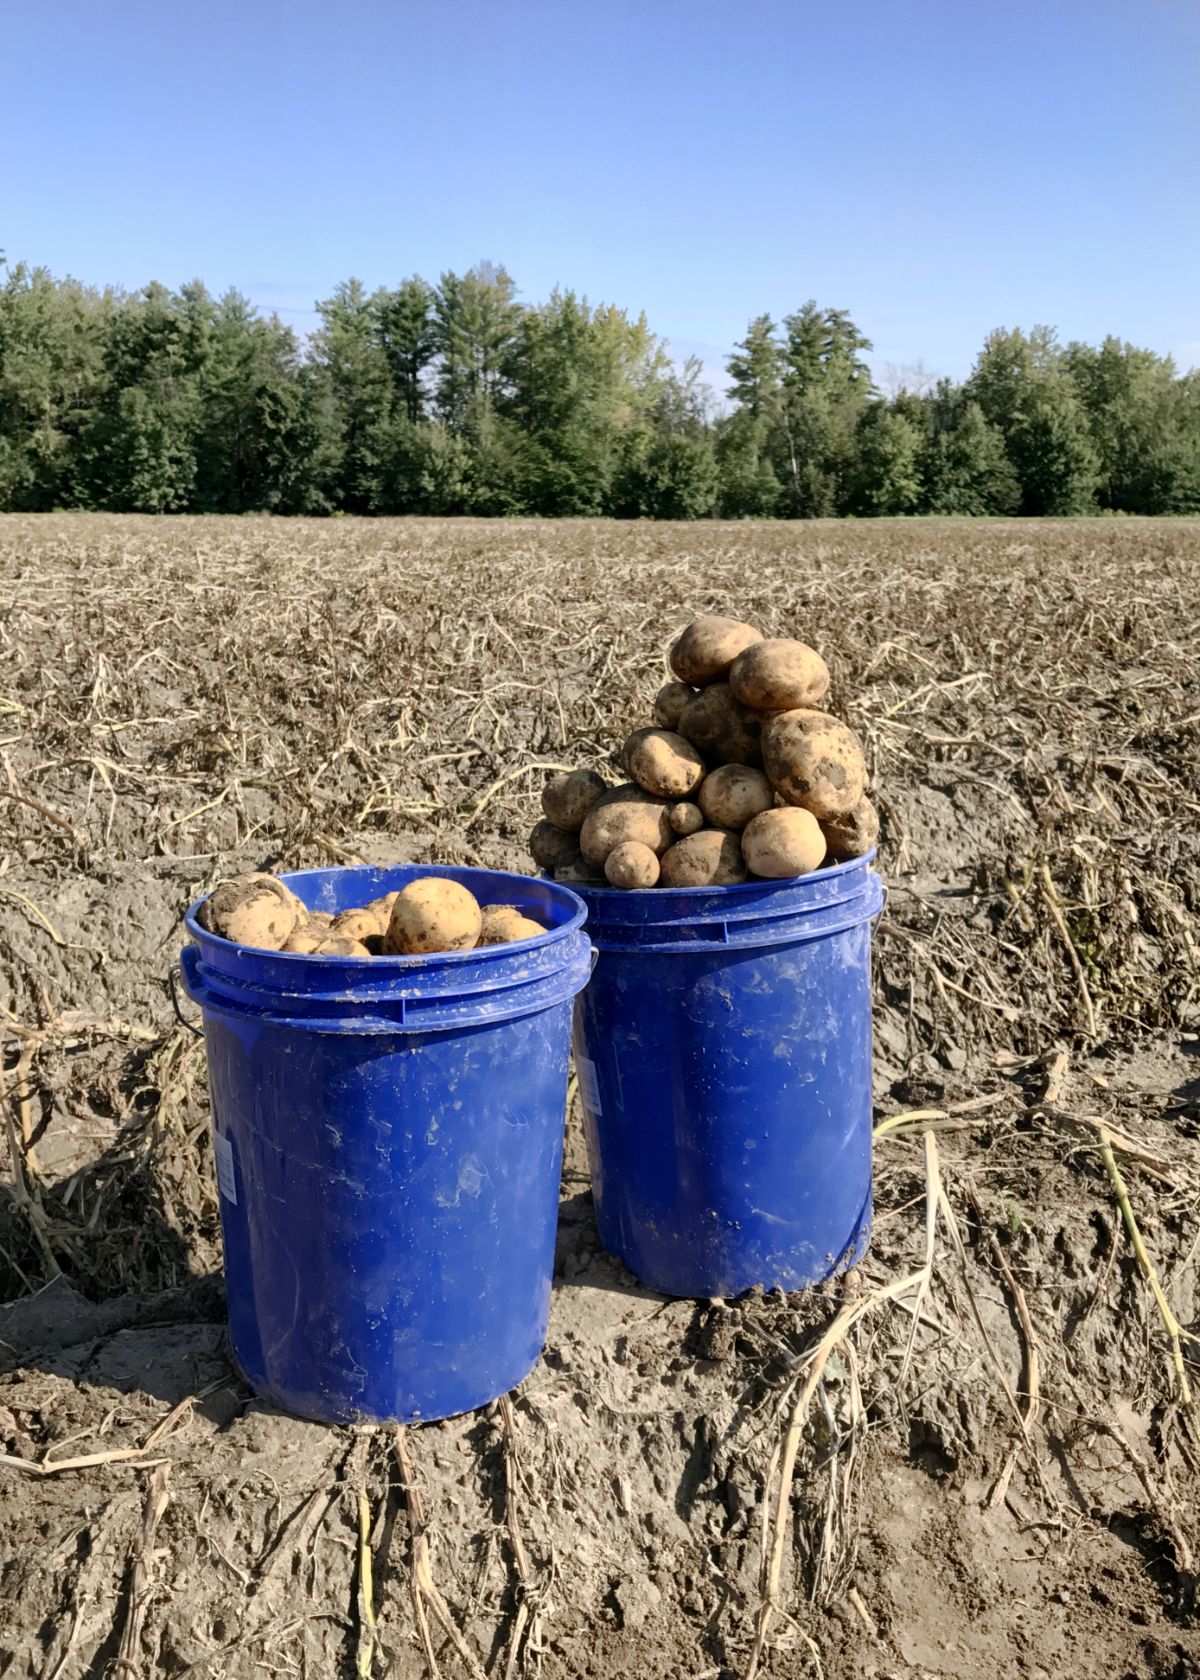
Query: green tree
[
  {"x": 52, "y": 375},
  {"x": 408, "y": 335},
  {"x": 885, "y": 476},
  {"x": 582, "y": 380},
  {"x": 751, "y": 440},
  {"x": 476, "y": 321},
  {"x": 1024, "y": 388},
  {"x": 963, "y": 464},
  {"x": 826, "y": 386},
  {"x": 357, "y": 403}
]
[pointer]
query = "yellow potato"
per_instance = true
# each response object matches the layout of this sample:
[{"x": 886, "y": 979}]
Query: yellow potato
[
  {"x": 504, "y": 923},
  {"x": 318, "y": 919},
  {"x": 663, "y": 763},
  {"x": 433, "y": 914},
  {"x": 720, "y": 727},
  {"x": 381, "y": 908},
  {"x": 778, "y": 675},
  {"x": 303, "y": 940},
  {"x": 686, "y": 818},
  {"x": 257, "y": 912},
  {"x": 712, "y": 858},
  {"x": 783, "y": 842},
  {"x": 814, "y": 761},
  {"x": 731, "y": 795},
  {"x": 337, "y": 945},
  {"x": 669, "y": 703},
  {"x": 631, "y": 865},
  {"x": 708, "y": 647},
  {"x": 357, "y": 924},
  {"x": 567, "y": 799},
  {"x": 853, "y": 835},
  {"x": 550, "y": 846},
  {"x": 625, "y": 813}
]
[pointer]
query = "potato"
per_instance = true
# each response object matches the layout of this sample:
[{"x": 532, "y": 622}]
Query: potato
[
  {"x": 782, "y": 842},
  {"x": 777, "y": 675},
  {"x": 257, "y": 912},
  {"x": 567, "y": 800},
  {"x": 814, "y": 761},
  {"x": 712, "y": 858},
  {"x": 708, "y": 647},
  {"x": 663, "y": 763},
  {"x": 685, "y": 818},
  {"x": 669, "y": 703},
  {"x": 337, "y": 945},
  {"x": 303, "y": 940},
  {"x": 356, "y": 924},
  {"x": 631, "y": 865},
  {"x": 731, "y": 795},
  {"x": 578, "y": 872},
  {"x": 381, "y": 908},
  {"x": 853, "y": 835},
  {"x": 550, "y": 846},
  {"x": 624, "y": 813},
  {"x": 317, "y": 919},
  {"x": 724, "y": 730},
  {"x": 434, "y": 914},
  {"x": 504, "y": 923}
]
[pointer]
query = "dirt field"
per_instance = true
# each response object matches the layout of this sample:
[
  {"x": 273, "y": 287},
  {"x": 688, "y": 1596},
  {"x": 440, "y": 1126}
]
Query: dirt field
[{"x": 995, "y": 1472}]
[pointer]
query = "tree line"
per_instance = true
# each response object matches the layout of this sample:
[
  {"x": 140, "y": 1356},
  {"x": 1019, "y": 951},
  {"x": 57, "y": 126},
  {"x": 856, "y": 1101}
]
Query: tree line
[{"x": 460, "y": 399}]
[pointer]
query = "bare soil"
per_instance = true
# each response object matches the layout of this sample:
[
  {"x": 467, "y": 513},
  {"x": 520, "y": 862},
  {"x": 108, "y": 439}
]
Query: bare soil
[{"x": 995, "y": 1467}]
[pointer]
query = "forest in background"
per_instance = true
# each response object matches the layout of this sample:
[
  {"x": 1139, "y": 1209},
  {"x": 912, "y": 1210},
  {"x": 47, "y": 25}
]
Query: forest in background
[{"x": 458, "y": 398}]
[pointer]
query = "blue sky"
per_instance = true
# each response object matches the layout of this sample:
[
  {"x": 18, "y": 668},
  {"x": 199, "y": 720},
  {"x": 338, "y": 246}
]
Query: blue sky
[{"x": 936, "y": 167}]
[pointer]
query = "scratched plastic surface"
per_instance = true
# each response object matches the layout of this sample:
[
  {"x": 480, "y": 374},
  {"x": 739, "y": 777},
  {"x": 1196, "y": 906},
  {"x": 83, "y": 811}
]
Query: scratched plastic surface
[
  {"x": 724, "y": 1053},
  {"x": 388, "y": 1135}
]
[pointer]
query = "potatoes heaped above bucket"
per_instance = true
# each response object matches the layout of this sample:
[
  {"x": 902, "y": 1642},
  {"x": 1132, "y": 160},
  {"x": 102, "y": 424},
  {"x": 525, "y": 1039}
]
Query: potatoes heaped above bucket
[
  {"x": 430, "y": 915},
  {"x": 741, "y": 772}
]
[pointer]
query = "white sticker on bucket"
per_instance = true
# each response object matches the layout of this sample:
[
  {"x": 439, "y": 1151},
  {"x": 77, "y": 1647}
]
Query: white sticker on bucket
[
  {"x": 589, "y": 1088},
  {"x": 226, "y": 1178}
]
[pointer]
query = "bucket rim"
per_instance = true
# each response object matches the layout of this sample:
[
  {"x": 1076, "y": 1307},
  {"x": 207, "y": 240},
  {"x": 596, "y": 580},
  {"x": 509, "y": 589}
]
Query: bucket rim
[
  {"x": 756, "y": 883},
  {"x": 424, "y": 959}
]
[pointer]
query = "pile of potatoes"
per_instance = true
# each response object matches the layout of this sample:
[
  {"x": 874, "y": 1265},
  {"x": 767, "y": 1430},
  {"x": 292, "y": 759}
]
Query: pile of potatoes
[
  {"x": 430, "y": 914},
  {"x": 742, "y": 774}
]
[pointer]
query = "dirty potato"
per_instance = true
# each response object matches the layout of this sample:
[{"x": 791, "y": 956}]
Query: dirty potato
[
  {"x": 814, "y": 761},
  {"x": 567, "y": 799},
  {"x": 778, "y": 675},
  {"x": 731, "y": 795},
  {"x": 669, "y": 703},
  {"x": 549, "y": 846},
  {"x": 433, "y": 914},
  {"x": 720, "y": 727},
  {"x": 337, "y": 945},
  {"x": 783, "y": 842},
  {"x": 503, "y": 924},
  {"x": 853, "y": 835},
  {"x": 357, "y": 924},
  {"x": 712, "y": 858},
  {"x": 255, "y": 911},
  {"x": 625, "y": 813},
  {"x": 663, "y": 763},
  {"x": 704, "y": 651},
  {"x": 685, "y": 817},
  {"x": 631, "y": 865}
]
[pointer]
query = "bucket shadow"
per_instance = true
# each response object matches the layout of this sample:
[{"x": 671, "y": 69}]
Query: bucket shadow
[{"x": 581, "y": 1263}]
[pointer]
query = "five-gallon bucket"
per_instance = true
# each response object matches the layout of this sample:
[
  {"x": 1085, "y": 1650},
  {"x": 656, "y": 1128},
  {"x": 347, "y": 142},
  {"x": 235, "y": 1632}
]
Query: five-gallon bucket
[
  {"x": 388, "y": 1136},
  {"x": 724, "y": 1057}
]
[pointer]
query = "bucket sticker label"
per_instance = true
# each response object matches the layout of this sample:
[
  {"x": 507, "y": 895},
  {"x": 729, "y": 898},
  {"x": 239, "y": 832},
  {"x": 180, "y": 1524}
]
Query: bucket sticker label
[
  {"x": 589, "y": 1088},
  {"x": 226, "y": 1178}
]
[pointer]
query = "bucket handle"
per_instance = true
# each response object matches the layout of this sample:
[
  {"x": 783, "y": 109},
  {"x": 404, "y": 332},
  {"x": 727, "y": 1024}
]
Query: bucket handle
[{"x": 173, "y": 976}]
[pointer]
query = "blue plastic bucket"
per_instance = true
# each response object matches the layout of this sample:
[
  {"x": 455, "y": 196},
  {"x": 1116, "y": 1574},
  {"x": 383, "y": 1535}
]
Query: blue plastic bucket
[
  {"x": 388, "y": 1136},
  {"x": 724, "y": 1057}
]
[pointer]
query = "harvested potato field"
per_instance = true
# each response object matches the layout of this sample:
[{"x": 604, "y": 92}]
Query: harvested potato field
[{"x": 977, "y": 1452}]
